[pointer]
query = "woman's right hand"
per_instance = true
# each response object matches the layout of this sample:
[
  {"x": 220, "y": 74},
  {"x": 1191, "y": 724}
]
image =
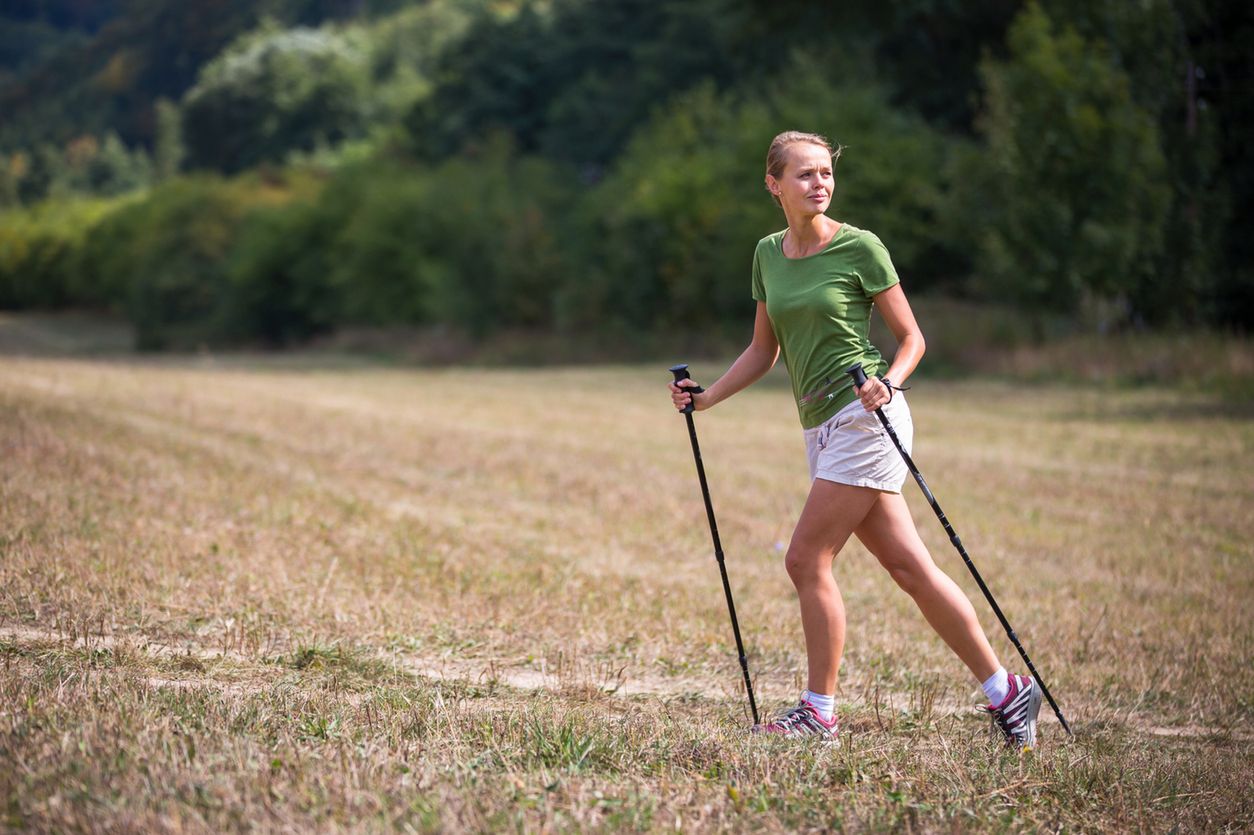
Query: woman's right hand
[{"x": 681, "y": 397}]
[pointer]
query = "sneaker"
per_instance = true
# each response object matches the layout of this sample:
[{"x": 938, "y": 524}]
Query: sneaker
[
  {"x": 1015, "y": 717},
  {"x": 802, "y": 720}
]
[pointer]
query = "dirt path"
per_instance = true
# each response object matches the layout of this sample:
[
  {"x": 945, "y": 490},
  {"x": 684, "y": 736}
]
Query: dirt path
[{"x": 570, "y": 679}]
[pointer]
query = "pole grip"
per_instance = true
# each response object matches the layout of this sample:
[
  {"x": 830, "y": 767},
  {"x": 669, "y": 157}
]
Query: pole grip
[
  {"x": 859, "y": 376},
  {"x": 681, "y": 373}
]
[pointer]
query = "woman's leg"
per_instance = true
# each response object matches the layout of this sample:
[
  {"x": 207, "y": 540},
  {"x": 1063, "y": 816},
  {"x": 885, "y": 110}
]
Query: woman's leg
[
  {"x": 888, "y": 532},
  {"x": 831, "y": 514}
]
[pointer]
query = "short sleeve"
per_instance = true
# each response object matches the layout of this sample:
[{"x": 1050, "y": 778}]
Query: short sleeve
[
  {"x": 759, "y": 288},
  {"x": 876, "y": 270}
]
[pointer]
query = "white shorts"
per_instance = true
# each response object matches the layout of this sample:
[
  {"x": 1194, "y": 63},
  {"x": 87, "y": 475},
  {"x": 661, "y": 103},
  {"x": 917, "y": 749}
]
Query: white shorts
[{"x": 852, "y": 446}]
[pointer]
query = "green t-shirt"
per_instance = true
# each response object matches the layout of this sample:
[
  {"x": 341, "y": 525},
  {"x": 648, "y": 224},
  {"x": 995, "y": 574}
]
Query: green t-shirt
[{"x": 820, "y": 308}]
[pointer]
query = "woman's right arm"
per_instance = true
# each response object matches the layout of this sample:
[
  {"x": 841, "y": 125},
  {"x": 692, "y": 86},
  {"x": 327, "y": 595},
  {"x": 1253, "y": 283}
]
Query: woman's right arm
[{"x": 748, "y": 368}]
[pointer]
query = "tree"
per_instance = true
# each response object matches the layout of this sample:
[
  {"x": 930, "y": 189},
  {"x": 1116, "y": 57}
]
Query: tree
[
  {"x": 41, "y": 172},
  {"x": 1221, "y": 37},
  {"x": 1073, "y": 180},
  {"x": 1166, "y": 49},
  {"x": 116, "y": 170},
  {"x": 272, "y": 93},
  {"x": 170, "y": 150},
  {"x": 9, "y": 180},
  {"x": 676, "y": 221},
  {"x": 574, "y": 79}
]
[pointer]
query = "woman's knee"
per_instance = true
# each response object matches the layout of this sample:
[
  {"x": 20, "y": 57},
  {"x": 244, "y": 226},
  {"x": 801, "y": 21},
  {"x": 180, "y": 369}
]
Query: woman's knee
[
  {"x": 807, "y": 565},
  {"x": 908, "y": 578},
  {"x": 913, "y": 574}
]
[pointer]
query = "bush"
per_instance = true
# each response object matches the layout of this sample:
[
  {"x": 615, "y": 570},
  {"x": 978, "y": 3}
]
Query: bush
[
  {"x": 472, "y": 243},
  {"x": 168, "y": 255},
  {"x": 277, "y": 288},
  {"x": 41, "y": 261}
]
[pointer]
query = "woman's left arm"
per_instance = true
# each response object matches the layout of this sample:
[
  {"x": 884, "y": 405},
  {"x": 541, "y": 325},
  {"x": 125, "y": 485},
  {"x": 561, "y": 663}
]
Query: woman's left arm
[{"x": 895, "y": 309}]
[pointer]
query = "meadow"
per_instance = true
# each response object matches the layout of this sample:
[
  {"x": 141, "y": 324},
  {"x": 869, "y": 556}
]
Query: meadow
[{"x": 311, "y": 594}]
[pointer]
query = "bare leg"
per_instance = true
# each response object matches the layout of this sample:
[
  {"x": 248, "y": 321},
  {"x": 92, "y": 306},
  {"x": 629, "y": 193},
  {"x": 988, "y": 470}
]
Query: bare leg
[
  {"x": 889, "y": 533},
  {"x": 831, "y": 514}
]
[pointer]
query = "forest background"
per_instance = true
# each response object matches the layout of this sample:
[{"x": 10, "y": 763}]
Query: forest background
[{"x": 587, "y": 173}]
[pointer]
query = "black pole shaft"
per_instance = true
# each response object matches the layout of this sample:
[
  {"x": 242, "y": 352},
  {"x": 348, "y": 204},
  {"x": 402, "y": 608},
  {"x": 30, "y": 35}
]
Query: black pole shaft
[
  {"x": 957, "y": 543},
  {"x": 722, "y": 566},
  {"x": 718, "y": 555}
]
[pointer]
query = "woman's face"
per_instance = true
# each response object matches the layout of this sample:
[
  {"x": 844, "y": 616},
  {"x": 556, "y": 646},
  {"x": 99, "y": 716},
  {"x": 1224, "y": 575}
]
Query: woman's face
[{"x": 805, "y": 187}]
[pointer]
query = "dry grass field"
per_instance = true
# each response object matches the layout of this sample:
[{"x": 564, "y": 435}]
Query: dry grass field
[{"x": 306, "y": 595}]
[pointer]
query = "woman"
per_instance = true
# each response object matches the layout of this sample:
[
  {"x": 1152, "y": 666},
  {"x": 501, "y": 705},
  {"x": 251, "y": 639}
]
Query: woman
[{"x": 815, "y": 283}]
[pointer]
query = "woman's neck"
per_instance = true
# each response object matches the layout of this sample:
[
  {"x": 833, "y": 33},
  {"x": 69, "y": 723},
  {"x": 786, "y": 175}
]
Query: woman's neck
[{"x": 809, "y": 234}]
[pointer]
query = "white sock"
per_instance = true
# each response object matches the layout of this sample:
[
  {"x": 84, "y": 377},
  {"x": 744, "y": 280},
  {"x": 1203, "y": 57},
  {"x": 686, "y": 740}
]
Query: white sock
[
  {"x": 825, "y": 705},
  {"x": 997, "y": 688}
]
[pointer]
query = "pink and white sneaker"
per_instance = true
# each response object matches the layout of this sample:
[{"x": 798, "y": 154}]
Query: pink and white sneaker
[
  {"x": 802, "y": 720},
  {"x": 1015, "y": 717}
]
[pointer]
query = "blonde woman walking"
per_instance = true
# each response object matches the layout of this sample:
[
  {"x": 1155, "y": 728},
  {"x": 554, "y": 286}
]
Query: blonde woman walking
[{"x": 815, "y": 283}]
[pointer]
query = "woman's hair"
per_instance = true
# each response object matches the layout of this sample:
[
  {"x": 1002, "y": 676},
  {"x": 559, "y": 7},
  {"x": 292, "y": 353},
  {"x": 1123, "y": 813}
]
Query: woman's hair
[{"x": 776, "y": 159}]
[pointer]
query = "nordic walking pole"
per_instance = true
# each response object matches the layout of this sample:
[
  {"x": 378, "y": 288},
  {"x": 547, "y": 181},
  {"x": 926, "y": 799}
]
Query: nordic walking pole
[
  {"x": 859, "y": 378},
  {"x": 681, "y": 373}
]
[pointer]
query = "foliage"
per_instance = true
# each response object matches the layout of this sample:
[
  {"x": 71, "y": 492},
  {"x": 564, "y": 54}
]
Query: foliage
[
  {"x": 1156, "y": 44},
  {"x": 471, "y": 243},
  {"x": 111, "y": 81},
  {"x": 926, "y": 52},
  {"x": 169, "y": 150},
  {"x": 1221, "y": 39},
  {"x": 63, "y": 14},
  {"x": 475, "y": 243},
  {"x": 405, "y": 49},
  {"x": 277, "y": 290},
  {"x": 144, "y": 50},
  {"x": 1063, "y": 129},
  {"x": 40, "y": 254},
  {"x": 677, "y": 220},
  {"x": 25, "y": 44},
  {"x": 573, "y": 82},
  {"x": 585, "y": 167},
  {"x": 273, "y": 92},
  {"x": 166, "y": 258},
  {"x": 86, "y": 165}
]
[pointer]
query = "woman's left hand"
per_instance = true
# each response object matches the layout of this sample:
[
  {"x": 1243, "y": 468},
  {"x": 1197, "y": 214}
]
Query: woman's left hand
[{"x": 874, "y": 394}]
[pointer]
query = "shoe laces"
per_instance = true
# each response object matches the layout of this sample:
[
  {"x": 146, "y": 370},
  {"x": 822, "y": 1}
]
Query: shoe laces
[
  {"x": 1003, "y": 722},
  {"x": 793, "y": 717}
]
